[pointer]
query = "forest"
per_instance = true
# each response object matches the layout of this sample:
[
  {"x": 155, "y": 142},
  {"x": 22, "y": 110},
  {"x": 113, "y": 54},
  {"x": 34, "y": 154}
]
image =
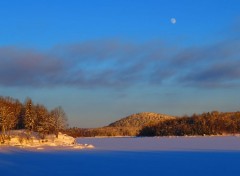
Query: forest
[
  {"x": 211, "y": 123},
  {"x": 102, "y": 131},
  {"x": 15, "y": 115},
  {"x": 31, "y": 117}
]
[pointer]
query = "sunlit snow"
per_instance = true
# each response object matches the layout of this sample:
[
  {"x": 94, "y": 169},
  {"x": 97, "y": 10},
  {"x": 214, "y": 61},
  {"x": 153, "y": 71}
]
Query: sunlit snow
[{"x": 130, "y": 156}]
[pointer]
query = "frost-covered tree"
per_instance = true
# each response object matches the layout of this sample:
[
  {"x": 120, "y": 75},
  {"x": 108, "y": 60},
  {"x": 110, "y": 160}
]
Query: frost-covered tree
[
  {"x": 59, "y": 120},
  {"x": 44, "y": 121},
  {"x": 15, "y": 115},
  {"x": 7, "y": 121},
  {"x": 30, "y": 115},
  {"x": 8, "y": 116}
]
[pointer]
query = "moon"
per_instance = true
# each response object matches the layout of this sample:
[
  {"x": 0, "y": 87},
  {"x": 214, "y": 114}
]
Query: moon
[{"x": 173, "y": 20}]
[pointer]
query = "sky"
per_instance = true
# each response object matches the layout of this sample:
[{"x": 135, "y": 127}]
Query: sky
[{"x": 104, "y": 60}]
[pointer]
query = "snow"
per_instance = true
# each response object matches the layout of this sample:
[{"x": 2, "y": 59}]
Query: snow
[
  {"x": 20, "y": 138},
  {"x": 186, "y": 156},
  {"x": 194, "y": 143}
]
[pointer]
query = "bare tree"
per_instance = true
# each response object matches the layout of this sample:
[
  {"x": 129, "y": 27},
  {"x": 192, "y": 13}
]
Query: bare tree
[
  {"x": 59, "y": 120},
  {"x": 44, "y": 121},
  {"x": 7, "y": 121}
]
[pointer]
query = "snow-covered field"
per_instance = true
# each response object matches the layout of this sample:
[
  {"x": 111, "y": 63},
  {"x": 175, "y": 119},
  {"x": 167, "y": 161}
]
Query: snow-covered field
[{"x": 130, "y": 156}]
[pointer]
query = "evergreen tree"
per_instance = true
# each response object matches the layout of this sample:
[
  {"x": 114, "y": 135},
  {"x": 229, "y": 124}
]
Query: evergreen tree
[{"x": 30, "y": 115}]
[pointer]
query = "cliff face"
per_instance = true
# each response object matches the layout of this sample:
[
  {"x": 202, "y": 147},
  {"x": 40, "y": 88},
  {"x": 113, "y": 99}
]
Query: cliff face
[{"x": 141, "y": 119}]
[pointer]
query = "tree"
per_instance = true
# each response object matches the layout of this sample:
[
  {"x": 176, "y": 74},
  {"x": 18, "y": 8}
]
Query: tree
[
  {"x": 59, "y": 120},
  {"x": 30, "y": 115},
  {"x": 18, "y": 111},
  {"x": 7, "y": 121},
  {"x": 44, "y": 120}
]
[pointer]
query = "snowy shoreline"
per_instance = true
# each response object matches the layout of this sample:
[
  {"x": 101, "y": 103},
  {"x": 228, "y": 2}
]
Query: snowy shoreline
[
  {"x": 22, "y": 140},
  {"x": 123, "y": 143}
]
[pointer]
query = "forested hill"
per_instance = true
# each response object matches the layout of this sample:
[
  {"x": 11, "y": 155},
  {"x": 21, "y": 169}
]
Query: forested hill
[
  {"x": 152, "y": 124},
  {"x": 141, "y": 119},
  {"x": 211, "y": 123},
  {"x": 128, "y": 126}
]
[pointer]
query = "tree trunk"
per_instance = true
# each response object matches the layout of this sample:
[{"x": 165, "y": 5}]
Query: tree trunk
[
  {"x": 2, "y": 135},
  {"x": 3, "y": 131},
  {"x": 56, "y": 134}
]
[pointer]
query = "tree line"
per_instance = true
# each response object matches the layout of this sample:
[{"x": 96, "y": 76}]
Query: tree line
[
  {"x": 211, "y": 123},
  {"x": 29, "y": 116},
  {"x": 103, "y": 131}
]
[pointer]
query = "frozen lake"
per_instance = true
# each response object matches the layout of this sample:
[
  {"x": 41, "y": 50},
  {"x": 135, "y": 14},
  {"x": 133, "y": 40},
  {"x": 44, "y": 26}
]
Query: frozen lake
[
  {"x": 214, "y": 143},
  {"x": 130, "y": 156}
]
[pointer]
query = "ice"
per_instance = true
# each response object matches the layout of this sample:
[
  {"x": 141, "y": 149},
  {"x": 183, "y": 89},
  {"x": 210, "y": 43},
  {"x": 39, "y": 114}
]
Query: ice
[
  {"x": 197, "y": 143},
  {"x": 198, "y": 156}
]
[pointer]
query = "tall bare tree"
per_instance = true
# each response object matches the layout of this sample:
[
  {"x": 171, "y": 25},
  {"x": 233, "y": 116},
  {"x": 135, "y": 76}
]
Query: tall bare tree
[
  {"x": 7, "y": 121},
  {"x": 59, "y": 120},
  {"x": 44, "y": 121}
]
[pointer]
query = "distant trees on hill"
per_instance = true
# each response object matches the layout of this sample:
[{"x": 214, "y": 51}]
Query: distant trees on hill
[
  {"x": 213, "y": 123},
  {"x": 33, "y": 118},
  {"x": 128, "y": 126},
  {"x": 141, "y": 119},
  {"x": 37, "y": 118},
  {"x": 103, "y": 131}
]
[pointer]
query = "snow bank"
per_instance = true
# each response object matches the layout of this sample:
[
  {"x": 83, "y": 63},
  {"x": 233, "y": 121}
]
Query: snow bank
[{"x": 22, "y": 139}]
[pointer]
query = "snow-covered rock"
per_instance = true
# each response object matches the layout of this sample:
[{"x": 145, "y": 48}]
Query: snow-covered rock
[{"x": 23, "y": 139}]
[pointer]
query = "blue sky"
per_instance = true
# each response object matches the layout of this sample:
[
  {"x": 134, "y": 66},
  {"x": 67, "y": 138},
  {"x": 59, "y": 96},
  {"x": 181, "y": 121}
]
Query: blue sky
[{"x": 103, "y": 60}]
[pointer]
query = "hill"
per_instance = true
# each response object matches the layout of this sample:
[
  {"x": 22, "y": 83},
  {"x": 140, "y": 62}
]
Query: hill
[
  {"x": 141, "y": 119},
  {"x": 210, "y": 123},
  {"x": 128, "y": 126}
]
